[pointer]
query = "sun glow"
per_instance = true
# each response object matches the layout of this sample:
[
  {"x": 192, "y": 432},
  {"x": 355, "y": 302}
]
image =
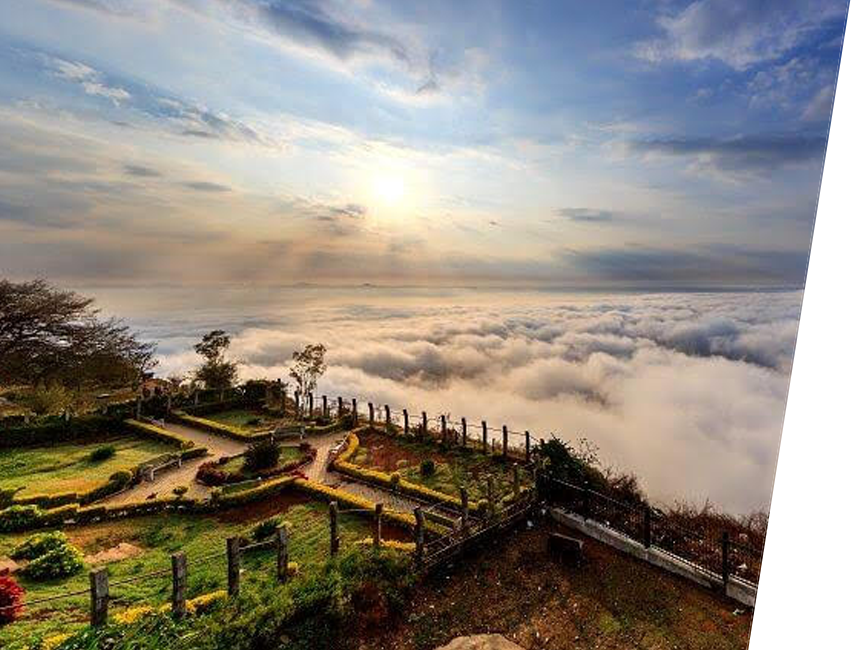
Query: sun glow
[{"x": 389, "y": 189}]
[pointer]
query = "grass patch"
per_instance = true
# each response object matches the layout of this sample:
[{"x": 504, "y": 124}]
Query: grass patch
[
  {"x": 235, "y": 465},
  {"x": 251, "y": 421},
  {"x": 70, "y": 467}
]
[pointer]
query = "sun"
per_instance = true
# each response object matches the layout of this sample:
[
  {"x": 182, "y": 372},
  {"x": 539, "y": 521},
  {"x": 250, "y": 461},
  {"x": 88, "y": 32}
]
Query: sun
[{"x": 390, "y": 189}]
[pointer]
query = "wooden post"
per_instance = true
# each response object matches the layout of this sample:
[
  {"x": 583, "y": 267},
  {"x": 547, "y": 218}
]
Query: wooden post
[
  {"x": 464, "y": 510},
  {"x": 424, "y": 430},
  {"x": 420, "y": 535},
  {"x": 516, "y": 480},
  {"x": 355, "y": 416},
  {"x": 388, "y": 418},
  {"x": 725, "y": 558},
  {"x": 282, "y": 553},
  {"x": 179, "y": 584},
  {"x": 371, "y": 414},
  {"x": 378, "y": 517},
  {"x": 484, "y": 434},
  {"x": 99, "y": 596},
  {"x": 406, "y": 423},
  {"x": 334, "y": 539},
  {"x": 647, "y": 533},
  {"x": 463, "y": 433},
  {"x": 504, "y": 441},
  {"x": 233, "y": 557},
  {"x": 340, "y": 407},
  {"x": 444, "y": 429},
  {"x": 527, "y": 447},
  {"x": 325, "y": 407}
]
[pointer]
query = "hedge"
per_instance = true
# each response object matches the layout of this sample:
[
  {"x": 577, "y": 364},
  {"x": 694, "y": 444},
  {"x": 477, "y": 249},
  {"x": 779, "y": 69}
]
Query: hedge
[
  {"x": 217, "y": 427},
  {"x": 158, "y": 433},
  {"x": 385, "y": 480},
  {"x": 55, "y": 429},
  {"x": 19, "y": 518}
]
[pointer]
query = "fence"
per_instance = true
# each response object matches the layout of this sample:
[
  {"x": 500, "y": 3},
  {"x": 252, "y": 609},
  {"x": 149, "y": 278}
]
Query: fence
[{"x": 718, "y": 556}]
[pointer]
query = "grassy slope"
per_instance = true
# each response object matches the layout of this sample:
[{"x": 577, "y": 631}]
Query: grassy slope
[
  {"x": 67, "y": 468},
  {"x": 159, "y": 536}
]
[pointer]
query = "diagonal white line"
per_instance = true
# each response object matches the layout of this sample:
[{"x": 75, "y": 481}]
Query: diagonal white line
[{"x": 773, "y": 510}]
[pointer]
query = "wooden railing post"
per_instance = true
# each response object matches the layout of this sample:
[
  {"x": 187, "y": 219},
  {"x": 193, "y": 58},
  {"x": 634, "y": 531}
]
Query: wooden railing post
[
  {"x": 282, "y": 553},
  {"x": 484, "y": 435},
  {"x": 406, "y": 423},
  {"x": 463, "y": 426},
  {"x": 420, "y": 536},
  {"x": 464, "y": 510},
  {"x": 179, "y": 584},
  {"x": 504, "y": 441},
  {"x": 371, "y": 414},
  {"x": 355, "y": 420},
  {"x": 378, "y": 519},
  {"x": 334, "y": 538},
  {"x": 99, "y": 596},
  {"x": 527, "y": 447},
  {"x": 233, "y": 558}
]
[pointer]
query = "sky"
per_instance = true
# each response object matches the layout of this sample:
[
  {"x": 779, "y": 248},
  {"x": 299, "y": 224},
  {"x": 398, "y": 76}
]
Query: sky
[{"x": 261, "y": 142}]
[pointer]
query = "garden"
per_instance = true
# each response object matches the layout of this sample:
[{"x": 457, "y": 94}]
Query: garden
[
  {"x": 263, "y": 459},
  {"x": 249, "y": 420}
]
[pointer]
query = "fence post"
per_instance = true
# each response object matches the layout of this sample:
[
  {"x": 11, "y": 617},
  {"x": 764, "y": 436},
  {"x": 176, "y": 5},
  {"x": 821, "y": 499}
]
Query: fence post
[
  {"x": 355, "y": 416},
  {"x": 99, "y": 596},
  {"x": 504, "y": 441},
  {"x": 586, "y": 501},
  {"x": 725, "y": 558},
  {"x": 378, "y": 517},
  {"x": 233, "y": 557},
  {"x": 325, "y": 407},
  {"x": 340, "y": 407},
  {"x": 516, "y": 480},
  {"x": 527, "y": 447},
  {"x": 444, "y": 429},
  {"x": 464, "y": 510},
  {"x": 406, "y": 423},
  {"x": 179, "y": 584},
  {"x": 424, "y": 431},
  {"x": 647, "y": 526},
  {"x": 484, "y": 434},
  {"x": 371, "y": 414},
  {"x": 282, "y": 553},
  {"x": 334, "y": 539},
  {"x": 463, "y": 437},
  {"x": 388, "y": 418},
  {"x": 420, "y": 535}
]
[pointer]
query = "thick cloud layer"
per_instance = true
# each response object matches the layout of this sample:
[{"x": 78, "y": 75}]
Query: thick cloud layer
[{"x": 685, "y": 390}]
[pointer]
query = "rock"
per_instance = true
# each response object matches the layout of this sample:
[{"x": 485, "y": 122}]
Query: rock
[{"x": 481, "y": 642}]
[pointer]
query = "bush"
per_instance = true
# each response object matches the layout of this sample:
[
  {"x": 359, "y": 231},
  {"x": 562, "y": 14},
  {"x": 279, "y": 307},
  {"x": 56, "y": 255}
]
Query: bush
[
  {"x": 267, "y": 528},
  {"x": 211, "y": 475},
  {"x": 428, "y": 468},
  {"x": 395, "y": 479},
  {"x": 122, "y": 477},
  {"x": 253, "y": 422},
  {"x": 180, "y": 491},
  {"x": 16, "y": 518},
  {"x": 59, "y": 562},
  {"x": 41, "y": 401},
  {"x": 38, "y": 545},
  {"x": 263, "y": 454},
  {"x": 11, "y": 599},
  {"x": 102, "y": 453}
]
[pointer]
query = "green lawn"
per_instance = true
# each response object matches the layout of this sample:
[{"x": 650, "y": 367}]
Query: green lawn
[
  {"x": 288, "y": 455},
  {"x": 66, "y": 467},
  {"x": 244, "y": 419},
  {"x": 453, "y": 467},
  {"x": 157, "y": 537}
]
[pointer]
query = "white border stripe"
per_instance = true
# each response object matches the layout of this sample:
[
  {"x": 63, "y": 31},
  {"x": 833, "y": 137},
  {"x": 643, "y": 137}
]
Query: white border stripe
[{"x": 773, "y": 511}]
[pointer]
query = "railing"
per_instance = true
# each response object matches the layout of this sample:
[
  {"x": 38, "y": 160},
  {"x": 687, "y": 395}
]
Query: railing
[{"x": 717, "y": 555}]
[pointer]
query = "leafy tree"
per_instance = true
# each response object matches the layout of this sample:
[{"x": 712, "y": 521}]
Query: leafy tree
[
  {"x": 308, "y": 366},
  {"x": 216, "y": 371},
  {"x": 51, "y": 336}
]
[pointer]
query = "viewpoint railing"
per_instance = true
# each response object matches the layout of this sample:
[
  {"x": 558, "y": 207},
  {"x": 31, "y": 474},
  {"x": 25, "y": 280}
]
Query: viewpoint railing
[{"x": 713, "y": 553}]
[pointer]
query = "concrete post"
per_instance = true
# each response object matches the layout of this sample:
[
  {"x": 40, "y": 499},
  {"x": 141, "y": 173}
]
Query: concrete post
[
  {"x": 464, "y": 510},
  {"x": 444, "y": 429},
  {"x": 179, "y": 584},
  {"x": 325, "y": 408},
  {"x": 340, "y": 407},
  {"x": 371, "y": 414},
  {"x": 355, "y": 420},
  {"x": 484, "y": 435},
  {"x": 99, "y": 596},
  {"x": 463, "y": 433},
  {"x": 282, "y": 553},
  {"x": 378, "y": 517},
  {"x": 233, "y": 557},
  {"x": 527, "y": 447},
  {"x": 388, "y": 418},
  {"x": 516, "y": 481},
  {"x": 334, "y": 538},
  {"x": 406, "y": 423},
  {"x": 420, "y": 535},
  {"x": 504, "y": 441}
]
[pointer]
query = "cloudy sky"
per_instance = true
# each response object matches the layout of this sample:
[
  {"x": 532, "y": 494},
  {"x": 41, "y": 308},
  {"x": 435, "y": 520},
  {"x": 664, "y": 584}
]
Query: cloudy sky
[{"x": 664, "y": 144}]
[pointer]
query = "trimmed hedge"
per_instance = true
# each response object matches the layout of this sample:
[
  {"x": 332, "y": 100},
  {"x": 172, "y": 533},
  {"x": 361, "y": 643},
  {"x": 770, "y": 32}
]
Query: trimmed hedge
[
  {"x": 55, "y": 429},
  {"x": 216, "y": 427},
  {"x": 19, "y": 518},
  {"x": 152, "y": 431}
]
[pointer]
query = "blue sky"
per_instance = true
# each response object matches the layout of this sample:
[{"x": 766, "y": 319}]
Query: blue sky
[{"x": 582, "y": 144}]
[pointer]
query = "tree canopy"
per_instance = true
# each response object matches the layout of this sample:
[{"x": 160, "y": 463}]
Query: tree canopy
[
  {"x": 308, "y": 366},
  {"x": 216, "y": 371},
  {"x": 53, "y": 336}
]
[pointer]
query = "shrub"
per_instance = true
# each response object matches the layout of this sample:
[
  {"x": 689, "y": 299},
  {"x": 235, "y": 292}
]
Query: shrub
[
  {"x": 211, "y": 475},
  {"x": 395, "y": 479},
  {"x": 52, "y": 399},
  {"x": 11, "y": 599},
  {"x": 267, "y": 528},
  {"x": 16, "y": 518},
  {"x": 102, "y": 453},
  {"x": 262, "y": 454},
  {"x": 428, "y": 468},
  {"x": 39, "y": 544},
  {"x": 253, "y": 422},
  {"x": 122, "y": 477},
  {"x": 180, "y": 491},
  {"x": 59, "y": 562}
]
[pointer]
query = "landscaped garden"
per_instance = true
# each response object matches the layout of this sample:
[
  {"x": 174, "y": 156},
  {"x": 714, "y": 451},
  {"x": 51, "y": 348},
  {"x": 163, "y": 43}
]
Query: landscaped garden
[
  {"x": 249, "y": 420},
  {"x": 135, "y": 546},
  {"x": 74, "y": 466},
  {"x": 263, "y": 459}
]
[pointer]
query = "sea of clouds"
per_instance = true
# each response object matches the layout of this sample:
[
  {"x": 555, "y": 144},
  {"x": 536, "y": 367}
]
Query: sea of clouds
[{"x": 686, "y": 390}]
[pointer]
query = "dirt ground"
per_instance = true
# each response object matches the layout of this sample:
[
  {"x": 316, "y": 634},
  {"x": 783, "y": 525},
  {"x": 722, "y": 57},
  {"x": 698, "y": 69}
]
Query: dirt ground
[{"x": 612, "y": 602}]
